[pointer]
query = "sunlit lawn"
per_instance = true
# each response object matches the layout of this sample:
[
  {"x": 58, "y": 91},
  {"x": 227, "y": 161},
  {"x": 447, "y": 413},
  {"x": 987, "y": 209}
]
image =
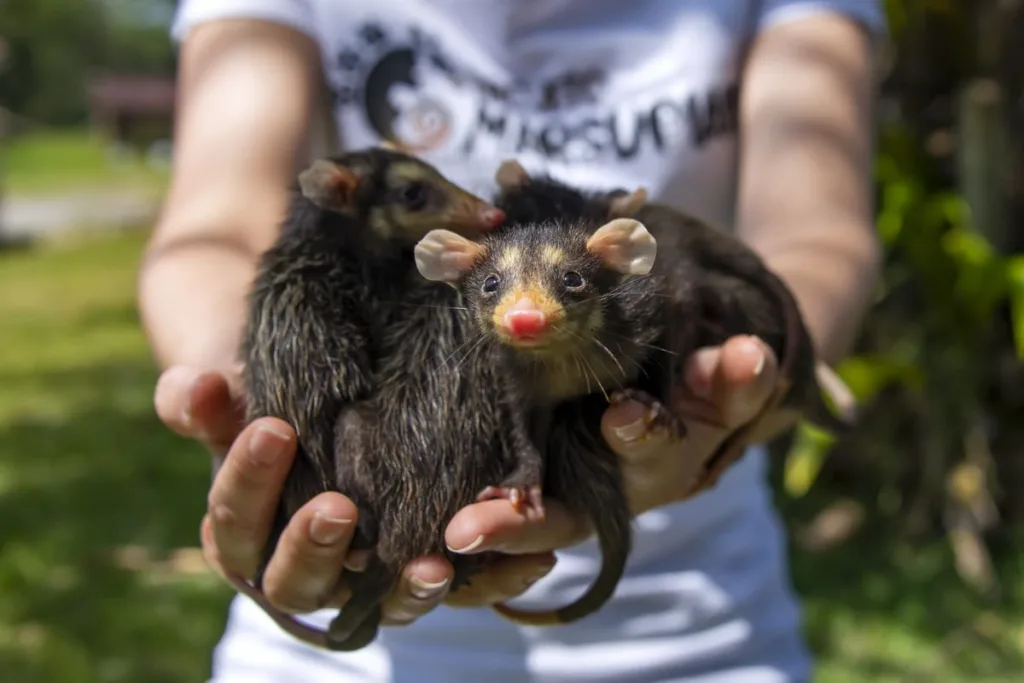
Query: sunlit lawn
[
  {"x": 96, "y": 497},
  {"x": 71, "y": 160}
]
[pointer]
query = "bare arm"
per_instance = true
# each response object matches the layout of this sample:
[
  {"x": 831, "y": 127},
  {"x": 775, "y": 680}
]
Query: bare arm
[
  {"x": 246, "y": 95},
  {"x": 805, "y": 176}
]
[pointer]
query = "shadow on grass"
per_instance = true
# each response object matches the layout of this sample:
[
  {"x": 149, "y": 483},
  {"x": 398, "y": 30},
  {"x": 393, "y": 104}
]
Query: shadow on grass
[
  {"x": 74, "y": 493},
  {"x": 894, "y": 610}
]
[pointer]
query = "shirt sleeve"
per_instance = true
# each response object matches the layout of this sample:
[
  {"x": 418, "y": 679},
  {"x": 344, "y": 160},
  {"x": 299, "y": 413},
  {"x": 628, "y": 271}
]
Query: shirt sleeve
[
  {"x": 869, "y": 13},
  {"x": 295, "y": 14}
]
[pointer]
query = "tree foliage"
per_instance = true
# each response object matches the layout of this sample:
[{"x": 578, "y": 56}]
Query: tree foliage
[
  {"x": 938, "y": 368},
  {"x": 54, "y": 45}
]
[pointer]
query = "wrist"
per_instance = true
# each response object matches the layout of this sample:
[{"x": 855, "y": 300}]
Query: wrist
[{"x": 191, "y": 296}]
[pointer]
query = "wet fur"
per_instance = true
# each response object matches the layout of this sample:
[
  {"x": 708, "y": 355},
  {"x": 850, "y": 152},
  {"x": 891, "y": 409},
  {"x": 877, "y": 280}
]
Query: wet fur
[
  {"x": 343, "y": 341},
  {"x": 582, "y": 472},
  {"x": 704, "y": 280},
  {"x": 307, "y": 345},
  {"x": 444, "y": 424}
]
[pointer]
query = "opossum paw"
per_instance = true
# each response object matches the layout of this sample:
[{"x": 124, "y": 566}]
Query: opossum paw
[
  {"x": 658, "y": 418},
  {"x": 527, "y": 501}
]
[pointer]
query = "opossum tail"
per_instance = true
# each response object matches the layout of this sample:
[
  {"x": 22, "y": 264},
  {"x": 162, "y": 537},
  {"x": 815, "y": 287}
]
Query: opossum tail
[{"x": 614, "y": 535}]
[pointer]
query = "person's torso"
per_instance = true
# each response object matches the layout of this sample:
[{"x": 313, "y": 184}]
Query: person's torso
[
  {"x": 600, "y": 93},
  {"x": 605, "y": 94}
]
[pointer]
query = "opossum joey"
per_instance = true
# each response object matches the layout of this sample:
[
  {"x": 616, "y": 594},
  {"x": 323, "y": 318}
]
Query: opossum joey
[
  {"x": 320, "y": 293},
  {"x": 714, "y": 286},
  {"x": 538, "y": 292}
]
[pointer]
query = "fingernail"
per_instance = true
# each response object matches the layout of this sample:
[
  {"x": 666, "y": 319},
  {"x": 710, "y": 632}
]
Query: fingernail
[
  {"x": 187, "y": 419},
  {"x": 357, "y": 560},
  {"x": 267, "y": 445},
  {"x": 631, "y": 432},
  {"x": 700, "y": 370},
  {"x": 477, "y": 542},
  {"x": 423, "y": 590},
  {"x": 754, "y": 346},
  {"x": 327, "y": 530}
]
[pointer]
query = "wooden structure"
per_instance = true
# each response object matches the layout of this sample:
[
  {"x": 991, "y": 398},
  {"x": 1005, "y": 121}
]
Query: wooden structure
[{"x": 131, "y": 109}]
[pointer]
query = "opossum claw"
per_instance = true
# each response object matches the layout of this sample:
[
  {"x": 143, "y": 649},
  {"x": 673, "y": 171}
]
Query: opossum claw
[{"x": 527, "y": 501}]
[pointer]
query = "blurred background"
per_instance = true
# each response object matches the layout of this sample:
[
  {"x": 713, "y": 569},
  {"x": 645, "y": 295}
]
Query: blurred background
[{"x": 906, "y": 537}]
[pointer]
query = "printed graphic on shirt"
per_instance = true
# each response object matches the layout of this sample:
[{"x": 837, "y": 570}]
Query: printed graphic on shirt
[{"x": 415, "y": 95}]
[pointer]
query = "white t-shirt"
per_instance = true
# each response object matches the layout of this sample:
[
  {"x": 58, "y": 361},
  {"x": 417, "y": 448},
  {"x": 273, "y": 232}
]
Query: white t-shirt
[{"x": 599, "y": 93}]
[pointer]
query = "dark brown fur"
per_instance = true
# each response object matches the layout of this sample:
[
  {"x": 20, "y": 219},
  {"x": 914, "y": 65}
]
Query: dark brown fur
[
  {"x": 444, "y": 425},
  {"x": 615, "y": 338},
  {"x": 318, "y": 310}
]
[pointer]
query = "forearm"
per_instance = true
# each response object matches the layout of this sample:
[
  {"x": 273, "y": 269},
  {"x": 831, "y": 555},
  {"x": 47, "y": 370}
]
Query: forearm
[
  {"x": 832, "y": 283},
  {"x": 805, "y": 187},
  {"x": 247, "y": 89}
]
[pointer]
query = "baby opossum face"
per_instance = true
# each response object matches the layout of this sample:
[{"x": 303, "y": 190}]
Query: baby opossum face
[
  {"x": 399, "y": 196},
  {"x": 539, "y": 288}
]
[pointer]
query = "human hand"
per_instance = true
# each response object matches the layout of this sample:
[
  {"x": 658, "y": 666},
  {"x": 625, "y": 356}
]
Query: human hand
[
  {"x": 736, "y": 378},
  {"x": 252, "y": 463},
  {"x": 735, "y": 381}
]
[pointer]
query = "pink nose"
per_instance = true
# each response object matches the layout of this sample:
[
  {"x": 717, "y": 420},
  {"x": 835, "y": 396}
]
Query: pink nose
[
  {"x": 492, "y": 218},
  {"x": 525, "y": 324}
]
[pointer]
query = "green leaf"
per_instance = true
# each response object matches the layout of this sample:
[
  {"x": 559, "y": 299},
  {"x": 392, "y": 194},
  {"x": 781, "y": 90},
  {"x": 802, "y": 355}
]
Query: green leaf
[
  {"x": 867, "y": 375},
  {"x": 968, "y": 247},
  {"x": 811, "y": 446}
]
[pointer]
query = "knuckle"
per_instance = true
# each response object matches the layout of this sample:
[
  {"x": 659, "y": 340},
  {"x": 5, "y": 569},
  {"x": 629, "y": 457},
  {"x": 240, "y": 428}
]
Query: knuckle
[{"x": 224, "y": 519}]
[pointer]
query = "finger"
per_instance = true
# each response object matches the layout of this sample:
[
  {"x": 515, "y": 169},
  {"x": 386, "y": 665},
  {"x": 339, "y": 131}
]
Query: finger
[
  {"x": 504, "y": 579},
  {"x": 199, "y": 404},
  {"x": 422, "y": 586},
  {"x": 495, "y": 525},
  {"x": 738, "y": 379},
  {"x": 244, "y": 494},
  {"x": 303, "y": 573},
  {"x": 626, "y": 431}
]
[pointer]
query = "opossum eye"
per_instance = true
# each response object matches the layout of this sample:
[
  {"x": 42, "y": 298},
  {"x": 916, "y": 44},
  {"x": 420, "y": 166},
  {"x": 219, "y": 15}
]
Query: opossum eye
[
  {"x": 491, "y": 284},
  {"x": 572, "y": 280},
  {"x": 414, "y": 196}
]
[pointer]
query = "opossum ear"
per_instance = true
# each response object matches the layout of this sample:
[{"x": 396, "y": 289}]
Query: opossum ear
[
  {"x": 330, "y": 185},
  {"x": 624, "y": 245},
  {"x": 445, "y": 256},
  {"x": 626, "y": 205},
  {"x": 511, "y": 174}
]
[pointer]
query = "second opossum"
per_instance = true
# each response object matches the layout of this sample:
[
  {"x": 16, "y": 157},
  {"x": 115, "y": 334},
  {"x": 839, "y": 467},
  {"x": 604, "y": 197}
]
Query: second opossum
[
  {"x": 318, "y": 310},
  {"x": 572, "y": 290}
]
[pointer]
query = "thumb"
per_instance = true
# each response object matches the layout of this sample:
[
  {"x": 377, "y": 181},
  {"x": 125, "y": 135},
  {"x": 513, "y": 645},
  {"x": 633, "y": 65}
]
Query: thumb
[
  {"x": 202, "y": 404},
  {"x": 626, "y": 429}
]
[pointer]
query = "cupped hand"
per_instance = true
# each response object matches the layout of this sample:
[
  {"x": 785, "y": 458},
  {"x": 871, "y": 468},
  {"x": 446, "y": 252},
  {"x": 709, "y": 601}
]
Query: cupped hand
[
  {"x": 736, "y": 379},
  {"x": 252, "y": 462}
]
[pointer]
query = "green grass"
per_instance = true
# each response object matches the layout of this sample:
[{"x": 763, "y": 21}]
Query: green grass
[
  {"x": 95, "y": 495},
  {"x": 87, "y": 473},
  {"x": 71, "y": 160}
]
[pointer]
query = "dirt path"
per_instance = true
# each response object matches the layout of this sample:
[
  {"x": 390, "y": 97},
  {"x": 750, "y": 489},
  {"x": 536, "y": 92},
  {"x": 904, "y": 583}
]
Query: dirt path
[{"x": 49, "y": 215}]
